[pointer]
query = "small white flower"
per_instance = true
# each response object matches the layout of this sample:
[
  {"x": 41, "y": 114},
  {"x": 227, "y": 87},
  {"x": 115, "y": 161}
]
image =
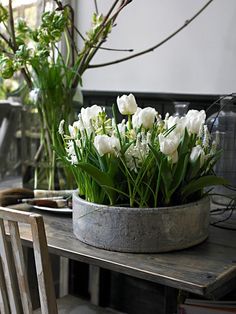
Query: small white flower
[
  {"x": 73, "y": 130},
  {"x": 136, "y": 154},
  {"x": 70, "y": 148},
  {"x": 168, "y": 144},
  {"x": 197, "y": 151},
  {"x": 73, "y": 159},
  {"x": 206, "y": 137},
  {"x": 194, "y": 120},
  {"x": 34, "y": 95},
  {"x": 144, "y": 117},
  {"x": 127, "y": 104},
  {"x": 106, "y": 144},
  {"x": 61, "y": 127},
  {"x": 122, "y": 127}
]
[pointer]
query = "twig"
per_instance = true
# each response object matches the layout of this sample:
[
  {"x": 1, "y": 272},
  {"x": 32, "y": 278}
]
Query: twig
[
  {"x": 115, "y": 49},
  {"x": 103, "y": 48},
  {"x": 8, "y": 42},
  {"x": 9, "y": 54},
  {"x": 78, "y": 32},
  {"x": 96, "y": 6},
  {"x": 13, "y": 44},
  {"x": 87, "y": 57},
  {"x": 11, "y": 19},
  {"x": 155, "y": 46}
]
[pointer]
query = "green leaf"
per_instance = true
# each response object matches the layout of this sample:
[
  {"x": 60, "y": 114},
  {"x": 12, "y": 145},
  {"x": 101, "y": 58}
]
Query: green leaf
[
  {"x": 179, "y": 173},
  {"x": 201, "y": 183},
  {"x": 194, "y": 168},
  {"x": 165, "y": 171},
  {"x": 103, "y": 179},
  {"x": 184, "y": 144}
]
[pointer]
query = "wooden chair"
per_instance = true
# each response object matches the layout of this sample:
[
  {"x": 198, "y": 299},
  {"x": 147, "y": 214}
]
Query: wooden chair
[{"x": 14, "y": 294}]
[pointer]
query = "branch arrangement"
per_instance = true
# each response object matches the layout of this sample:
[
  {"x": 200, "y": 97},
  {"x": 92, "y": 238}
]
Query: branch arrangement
[{"x": 17, "y": 36}]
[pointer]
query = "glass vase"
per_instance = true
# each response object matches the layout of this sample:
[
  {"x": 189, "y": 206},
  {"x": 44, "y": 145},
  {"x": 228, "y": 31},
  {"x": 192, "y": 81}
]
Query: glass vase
[
  {"x": 41, "y": 167},
  {"x": 222, "y": 126},
  {"x": 181, "y": 108}
]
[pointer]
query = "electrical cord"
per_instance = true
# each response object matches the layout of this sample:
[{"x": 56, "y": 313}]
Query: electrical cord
[{"x": 220, "y": 211}]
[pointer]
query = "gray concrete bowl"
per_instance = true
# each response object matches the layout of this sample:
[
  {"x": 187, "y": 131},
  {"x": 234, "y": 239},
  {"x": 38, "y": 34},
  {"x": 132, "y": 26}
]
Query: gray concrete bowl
[{"x": 141, "y": 230}]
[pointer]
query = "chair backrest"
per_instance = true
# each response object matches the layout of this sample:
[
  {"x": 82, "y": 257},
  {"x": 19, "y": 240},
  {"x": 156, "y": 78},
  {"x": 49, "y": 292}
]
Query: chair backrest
[{"x": 14, "y": 294}]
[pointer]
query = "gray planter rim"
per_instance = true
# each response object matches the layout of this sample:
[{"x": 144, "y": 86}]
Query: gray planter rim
[{"x": 165, "y": 209}]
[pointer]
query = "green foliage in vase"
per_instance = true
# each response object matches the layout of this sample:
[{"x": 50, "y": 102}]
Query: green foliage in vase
[
  {"x": 144, "y": 161},
  {"x": 51, "y": 77}
]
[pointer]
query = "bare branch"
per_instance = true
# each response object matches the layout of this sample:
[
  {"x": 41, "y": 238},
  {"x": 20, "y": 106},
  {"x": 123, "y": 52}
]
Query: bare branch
[
  {"x": 9, "y": 54},
  {"x": 78, "y": 32},
  {"x": 96, "y": 6},
  {"x": 115, "y": 49},
  {"x": 7, "y": 41},
  {"x": 155, "y": 46},
  {"x": 87, "y": 57},
  {"x": 11, "y": 18}
]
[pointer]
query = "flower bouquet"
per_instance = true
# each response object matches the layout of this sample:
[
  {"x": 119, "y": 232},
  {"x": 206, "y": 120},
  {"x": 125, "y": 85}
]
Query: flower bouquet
[
  {"x": 52, "y": 65},
  {"x": 143, "y": 162}
]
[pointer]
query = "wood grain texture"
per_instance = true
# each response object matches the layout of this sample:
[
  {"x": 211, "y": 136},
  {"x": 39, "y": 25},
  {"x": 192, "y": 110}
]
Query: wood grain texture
[
  {"x": 8, "y": 271},
  {"x": 17, "y": 252},
  {"x": 208, "y": 269},
  {"x": 4, "y": 306},
  {"x": 43, "y": 268}
]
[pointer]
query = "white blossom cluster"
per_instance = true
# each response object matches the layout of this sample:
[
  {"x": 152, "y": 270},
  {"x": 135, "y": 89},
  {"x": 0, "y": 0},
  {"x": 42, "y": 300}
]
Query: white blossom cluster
[{"x": 143, "y": 128}]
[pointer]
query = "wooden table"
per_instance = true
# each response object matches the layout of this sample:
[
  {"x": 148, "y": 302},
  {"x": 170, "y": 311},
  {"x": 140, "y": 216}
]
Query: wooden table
[{"x": 208, "y": 269}]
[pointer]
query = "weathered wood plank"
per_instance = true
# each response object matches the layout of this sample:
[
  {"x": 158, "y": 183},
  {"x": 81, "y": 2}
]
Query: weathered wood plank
[
  {"x": 4, "y": 306},
  {"x": 17, "y": 252},
  {"x": 8, "y": 271},
  {"x": 43, "y": 267}
]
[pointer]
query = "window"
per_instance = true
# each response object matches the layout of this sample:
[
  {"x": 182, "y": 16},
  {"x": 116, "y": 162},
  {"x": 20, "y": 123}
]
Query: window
[{"x": 29, "y": 9}]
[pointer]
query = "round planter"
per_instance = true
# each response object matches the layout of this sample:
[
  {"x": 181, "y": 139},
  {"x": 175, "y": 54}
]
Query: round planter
[{"x": 141, "y": 230}]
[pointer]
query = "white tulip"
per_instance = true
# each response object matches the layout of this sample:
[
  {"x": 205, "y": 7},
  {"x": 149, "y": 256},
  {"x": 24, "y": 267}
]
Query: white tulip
[
  {"x": 174, "y": 157},
  {"x": 88, "y": 114},
  {"x": 171, "y": 121},
  {"x": 122, "y": 127},
  {"x": 106, "y": 144},
  {"x": 179, "y": 123},
  {"x": 74, "y": 129},
  {"x": 144, "y": 117},
  {"x": 197, "y": 151},
  {"x": 195, "y": 120},
  {"x": 168, "y": 144},
  {"x": 127, "y": 104}
]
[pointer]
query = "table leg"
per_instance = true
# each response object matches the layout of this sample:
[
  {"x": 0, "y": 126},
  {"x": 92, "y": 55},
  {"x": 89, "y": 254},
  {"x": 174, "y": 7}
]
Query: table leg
[{"x": 94, "y": 281}]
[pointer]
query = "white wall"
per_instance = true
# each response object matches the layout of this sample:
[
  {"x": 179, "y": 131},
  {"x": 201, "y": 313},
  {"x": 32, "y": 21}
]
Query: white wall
[{"x": 200, "y": 59}]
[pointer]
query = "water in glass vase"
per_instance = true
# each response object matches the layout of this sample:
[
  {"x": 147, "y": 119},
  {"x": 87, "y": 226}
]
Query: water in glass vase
[{"x": 41, "y": 168}]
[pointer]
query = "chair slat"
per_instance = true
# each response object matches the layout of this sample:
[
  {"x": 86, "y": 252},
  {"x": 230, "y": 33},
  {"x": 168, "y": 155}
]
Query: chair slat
[
  {"x": 8, "y": 270},
  {"x": 20, "y": 267},
  {"x": 4, "y": 306},
  {"x": 42, "y": 262}
]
